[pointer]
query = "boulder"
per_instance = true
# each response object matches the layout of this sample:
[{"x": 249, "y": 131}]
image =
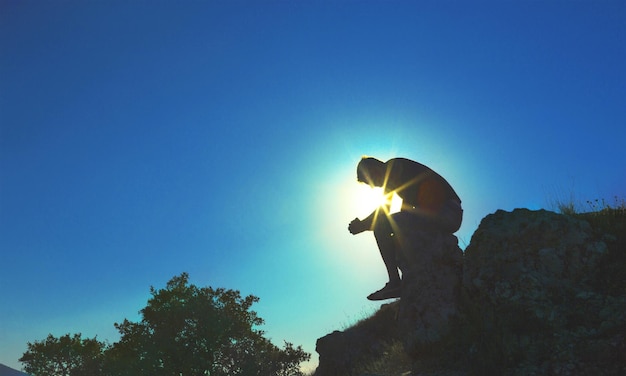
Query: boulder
[
  {"x": 341, "y": 353},
  {"x": 530, "y": 279},
  {"x": 431, "y": 267}
]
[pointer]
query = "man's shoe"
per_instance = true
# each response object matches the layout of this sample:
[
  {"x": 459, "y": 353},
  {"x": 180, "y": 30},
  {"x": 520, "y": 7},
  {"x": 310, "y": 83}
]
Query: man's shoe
[{"x": 390, "y": 291}]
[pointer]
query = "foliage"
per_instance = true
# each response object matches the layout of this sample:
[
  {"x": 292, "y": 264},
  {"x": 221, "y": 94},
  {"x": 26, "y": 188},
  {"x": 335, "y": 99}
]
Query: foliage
[
  {"x": 64, "y": 356},
  {"x": 188, "y": 330},
  {"x": 185, "y": 330}
]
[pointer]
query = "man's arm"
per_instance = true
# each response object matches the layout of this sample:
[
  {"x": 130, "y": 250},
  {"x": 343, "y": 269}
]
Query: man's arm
[{"x": 357, "y": 226}]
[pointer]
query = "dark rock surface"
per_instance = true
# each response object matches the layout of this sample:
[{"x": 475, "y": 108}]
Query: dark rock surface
[
  {"x": 342, "y": 352},
  {"x": 532, "y": 276},
  {"x": 431, "y": 274}
]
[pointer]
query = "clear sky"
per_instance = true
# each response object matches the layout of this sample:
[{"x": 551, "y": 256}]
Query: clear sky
[{"x": 142, "y": 139}]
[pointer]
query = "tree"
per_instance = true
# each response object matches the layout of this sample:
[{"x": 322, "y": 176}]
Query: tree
[
  {"x": 184, "y": 331},
  {"x": 191, "y": 331},
  {"x": 64, "y": 356}
]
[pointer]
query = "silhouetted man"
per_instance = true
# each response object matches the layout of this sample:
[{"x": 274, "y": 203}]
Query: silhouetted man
[{"x": 428, "y": 203}]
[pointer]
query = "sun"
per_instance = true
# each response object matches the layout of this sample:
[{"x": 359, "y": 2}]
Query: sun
[{"x": 366, "y": 199}]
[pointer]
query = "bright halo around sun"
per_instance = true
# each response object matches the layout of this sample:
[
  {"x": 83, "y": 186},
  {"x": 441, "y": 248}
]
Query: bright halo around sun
[{"x": 367, "y": 199}]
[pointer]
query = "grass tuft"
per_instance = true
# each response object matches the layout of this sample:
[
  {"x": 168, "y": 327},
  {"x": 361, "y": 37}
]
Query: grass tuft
[
  {"x": 600, "y": 206},
  {"x": 393, "y": 362}
]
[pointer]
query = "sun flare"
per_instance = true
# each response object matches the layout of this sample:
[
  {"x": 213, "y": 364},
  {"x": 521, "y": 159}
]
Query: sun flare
[{"x": 367, "y": 199}]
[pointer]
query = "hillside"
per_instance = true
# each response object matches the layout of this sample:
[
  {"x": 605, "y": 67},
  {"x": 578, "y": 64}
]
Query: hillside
[
  {"x": 537, "y": 293},
  {"x": 8, "y": 371}
]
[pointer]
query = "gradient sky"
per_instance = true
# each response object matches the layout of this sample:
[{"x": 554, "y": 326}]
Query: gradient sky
[{"x": 139, "y": 140}]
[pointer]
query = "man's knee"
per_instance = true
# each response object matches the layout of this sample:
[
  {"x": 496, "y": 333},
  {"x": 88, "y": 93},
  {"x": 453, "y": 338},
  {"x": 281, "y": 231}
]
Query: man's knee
[
  {"x": 452, "y": 215},
  {"x": 382, "y": 226}
]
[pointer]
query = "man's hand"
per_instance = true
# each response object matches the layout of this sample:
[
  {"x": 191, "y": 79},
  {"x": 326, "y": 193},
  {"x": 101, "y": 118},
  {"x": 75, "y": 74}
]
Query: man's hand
[{"x": 357, "y": 226}]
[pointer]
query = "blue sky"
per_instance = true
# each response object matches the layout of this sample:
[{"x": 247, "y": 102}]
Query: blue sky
[{"x": 142, "y": 139}]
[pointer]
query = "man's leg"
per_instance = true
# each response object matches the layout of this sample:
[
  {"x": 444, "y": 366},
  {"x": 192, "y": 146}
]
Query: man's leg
[{"x": 387, "y": 247}]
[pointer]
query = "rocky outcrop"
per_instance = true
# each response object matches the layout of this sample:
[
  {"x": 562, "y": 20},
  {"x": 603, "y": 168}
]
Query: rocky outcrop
[
  {"x": 532, "y": 279},
  {"x": 341, "y": 353},
  {"x": 431, "y": 277},
  {"x": 542, "y": 294},
  {"x": 431, "y": 271}
]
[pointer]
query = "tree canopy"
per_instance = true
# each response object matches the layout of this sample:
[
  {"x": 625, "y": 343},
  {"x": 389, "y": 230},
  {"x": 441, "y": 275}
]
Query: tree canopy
[
  {"x": 185, "y": 330},
  {"x": 64, "y": 356}
]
